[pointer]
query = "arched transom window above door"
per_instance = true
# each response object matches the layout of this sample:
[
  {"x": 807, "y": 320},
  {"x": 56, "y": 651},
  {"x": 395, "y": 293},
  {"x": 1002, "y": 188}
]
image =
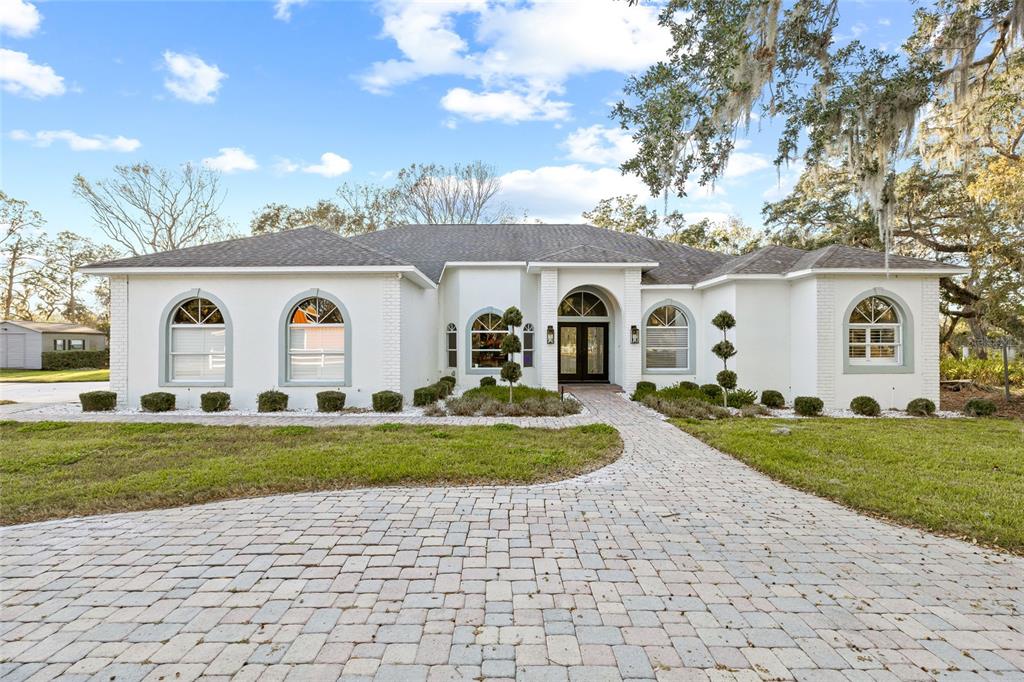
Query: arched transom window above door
[
  {"x": 582, "y": 304},
  {"x": 316, "y": 341}
]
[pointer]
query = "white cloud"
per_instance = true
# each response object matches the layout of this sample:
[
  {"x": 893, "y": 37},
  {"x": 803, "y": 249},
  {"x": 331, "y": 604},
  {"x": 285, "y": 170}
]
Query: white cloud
[
  {"x": 692, "y": 217},
  {"x": 231, "y": 160},
  {"x": 562, "y": 193},
  {"x": 20, "y": 76},
  {"x": 76, "y": 142},
  {"x": 884, "y": 22},
  {"x": 331, "y": 165},
  {"x": 504, "y": 105},
  {"x": 283, "y": 8},
  {"x": 18, "y": 18},
  {"x": 601, "y": 145},
  {"x": 192, "y": 79},
  {"x": 519, "y": 53},
  {"x": 743, "y": 163}
]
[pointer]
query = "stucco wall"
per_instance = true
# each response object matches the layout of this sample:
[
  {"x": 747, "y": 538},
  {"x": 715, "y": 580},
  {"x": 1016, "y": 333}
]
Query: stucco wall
[
  {"x": 803, "y": 343},
  {"x": 255, "y": 304},
  {"x": 761, "y": 335},
  {"x": 693, "y": 301},
  {"x": 420, "y": 364}
]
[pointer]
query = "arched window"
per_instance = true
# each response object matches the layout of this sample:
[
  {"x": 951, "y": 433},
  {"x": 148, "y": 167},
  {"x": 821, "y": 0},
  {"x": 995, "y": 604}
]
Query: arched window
[
  {"x": 197, "y": 349},
  {"x": 667, "y": 339},
  {"x": 582, "y": 304},
  {"x": 485, "y": 335},
  {"x": 316, "y": 341},
  {"x": 875, "y": 333},
  {"x": 451, "y": 341}
]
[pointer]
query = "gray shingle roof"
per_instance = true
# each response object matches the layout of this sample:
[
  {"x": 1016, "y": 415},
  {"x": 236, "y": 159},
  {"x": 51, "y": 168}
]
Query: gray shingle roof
[{"x": 430, "y": 247}]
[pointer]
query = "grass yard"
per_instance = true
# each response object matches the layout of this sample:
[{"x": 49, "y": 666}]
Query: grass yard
[
  {"x": 60, "y": 469},
  {"x": 52, "y": 376},
  {"x": 955, "y": 476},
  {"x": 519, "y": 392}
]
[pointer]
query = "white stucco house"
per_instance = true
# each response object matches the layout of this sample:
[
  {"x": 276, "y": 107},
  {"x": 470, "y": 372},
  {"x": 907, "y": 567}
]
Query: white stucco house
[{"x": 305, "y": 310}]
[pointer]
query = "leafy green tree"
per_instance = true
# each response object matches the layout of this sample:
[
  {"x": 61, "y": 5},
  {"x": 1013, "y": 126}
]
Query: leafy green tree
[
  {"x": 58, "y": 283},
  {"x": 624, "y": 214},
  {"x": 511, "y": 371},
  {"x": 731, "y": 235}
]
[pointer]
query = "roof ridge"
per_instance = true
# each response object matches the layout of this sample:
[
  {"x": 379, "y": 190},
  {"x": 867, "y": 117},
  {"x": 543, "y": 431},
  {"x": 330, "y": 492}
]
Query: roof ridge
[{"x": 584, "y": 246}]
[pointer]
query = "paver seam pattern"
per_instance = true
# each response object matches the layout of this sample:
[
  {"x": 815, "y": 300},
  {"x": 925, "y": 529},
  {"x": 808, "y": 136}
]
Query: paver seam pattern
[{"x": 675, "y": 562}]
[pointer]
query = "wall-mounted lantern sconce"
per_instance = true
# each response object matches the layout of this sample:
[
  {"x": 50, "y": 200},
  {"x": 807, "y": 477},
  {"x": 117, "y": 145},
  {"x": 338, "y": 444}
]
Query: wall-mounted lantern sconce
[
  {"x": 634, "y": 334},
  {"x": 551, "y": 335}
]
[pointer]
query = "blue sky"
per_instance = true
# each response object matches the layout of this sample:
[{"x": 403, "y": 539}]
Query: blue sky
[{"x": 290, "y": 99}]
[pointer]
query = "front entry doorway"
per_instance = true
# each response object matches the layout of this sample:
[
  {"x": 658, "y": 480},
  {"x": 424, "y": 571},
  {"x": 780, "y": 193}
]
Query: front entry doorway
[{"x": 582, "y": 351}]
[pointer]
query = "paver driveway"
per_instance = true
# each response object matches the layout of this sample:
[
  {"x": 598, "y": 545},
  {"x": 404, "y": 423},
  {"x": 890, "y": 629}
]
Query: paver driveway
[{"x": 676, "y": 562}]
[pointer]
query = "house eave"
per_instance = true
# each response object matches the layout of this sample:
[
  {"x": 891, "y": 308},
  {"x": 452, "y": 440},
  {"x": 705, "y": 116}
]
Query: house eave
[
  {"x": 409, "y": 271},
  {"x": 817, "y": 272},
  {"x": 536, "y": 266}
]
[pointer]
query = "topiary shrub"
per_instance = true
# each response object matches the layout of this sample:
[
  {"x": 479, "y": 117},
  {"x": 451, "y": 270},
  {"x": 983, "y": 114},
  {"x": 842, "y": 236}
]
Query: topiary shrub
[
  {"x": 98, "y": 401},
  {"x": 726, "y": 379},
  {"x": 642, "y": 390},
  {"x": 979, "y": 407},
  {"x": 425, "y": 395},
  {"x": 740, "y": 397},
  {"x": 712, "y": 391},
  {"x": 215, "y": 401},
  {"x": 450, "y": 381},
  {"x": 157, "y": 402},
  {"x": 688, "y": 385},
  {"x": 808, "y": 406},
  {"x": 330, "y": 401},
  {"x": 773, "y": 399},
  {"x": 272, "y": 401},
  {"x": 387, "y": 401},
  {"x": 866, "y": 406},
  {"x": 488, "y": 381},
  {"x": 921, "y": 407}
]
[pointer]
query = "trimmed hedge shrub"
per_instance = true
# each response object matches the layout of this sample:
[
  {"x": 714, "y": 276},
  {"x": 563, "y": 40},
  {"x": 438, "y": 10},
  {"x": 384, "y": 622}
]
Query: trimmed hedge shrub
[
  {"x": 726, "y": 379},
  {"x": 689, "y": 385},
  {"x": 921, "y": 407},
  {"x": 98, "y": 401},
  {"x": 642, "y": 390},
  {"x": 979, "y": 407},
  {"x": 387, "y": 401},
  {"x": 450, "y": 380},
  {"x": 808, "y": 406},
  {"x": 488, "y": 381},
  {"x": 157, "y": 402},
  {"x": 445, "y": 388},
  {"x": 76, "y": 359},
  {"x": 773, "y": 399},
  {"x": 330, "y": 401},
  {"x": 712, "y": 391},
  {"x": 865, "y": 406},
  {"x": 272, "y": 401},
  {"x": 214, "y": 401},
  {"x": 741, "y": 397},
  {"x": 425, "y": 395}
]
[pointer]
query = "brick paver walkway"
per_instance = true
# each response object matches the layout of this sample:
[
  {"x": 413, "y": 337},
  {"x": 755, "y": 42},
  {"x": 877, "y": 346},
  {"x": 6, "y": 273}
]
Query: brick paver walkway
[{"x": 675, "y": 563}]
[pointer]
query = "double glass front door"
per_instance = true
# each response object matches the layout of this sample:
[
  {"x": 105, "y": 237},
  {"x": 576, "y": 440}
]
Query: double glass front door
[{"x": 583, "y": 351}]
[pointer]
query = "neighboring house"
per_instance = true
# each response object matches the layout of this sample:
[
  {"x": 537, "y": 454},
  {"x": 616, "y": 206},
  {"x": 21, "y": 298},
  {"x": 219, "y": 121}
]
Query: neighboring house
[
  {"x": 304, "y": 310},
  {"x": 22, "y": 343}
]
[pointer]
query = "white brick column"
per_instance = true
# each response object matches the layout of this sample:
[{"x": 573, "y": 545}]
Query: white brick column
[
  {"x": 119, "y": 337},
  {"x": 391, "y": 344},
  {"x": 827, "y": 359},
  {"x": 928, "y": 350},
  {"x": 631, "y": 313},
  {"x": 548, "y": 318}
]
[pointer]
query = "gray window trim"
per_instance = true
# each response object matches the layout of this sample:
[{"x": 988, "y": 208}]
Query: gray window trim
[
  {"x": 691, "y": 340},
  {"x": 470, "y": 369},
  {"x": 907, "y": 324},
  {"x": 165, "y": 340},
  {"x": 282, "y": 341}
]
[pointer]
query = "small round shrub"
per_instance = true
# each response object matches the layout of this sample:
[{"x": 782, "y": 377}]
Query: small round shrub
[
  {"x": 921, "y": 407},
  {"x": 98, "y": 401},
  {"x": 773, "y": 399},
  {"x": 726, "y": 379},
  {"x": 444, "y": 388},
  {"x": 689, "y": 385},
  {"x": 450, "y": 380},
  {"x": 330, "y": 401},
  {"x": 488, "y": 381},
  {"x": 979, "y": 407},
  {"x": 387, "y": 401},
  {"x": 866, "y": 406},
  {"x": 511, "y": 372},
  {"x": 157, "y": 402},
  {"x": 808, "y": 406},
  {"x": 272, "y": 401},
  {"x": 642, "y": 390},
  {"x": 712, "y": 391},
  {"x": 741, "y": 397},
  {"x": 425, "y": 395},
  {"x": 215, "y": 401}
]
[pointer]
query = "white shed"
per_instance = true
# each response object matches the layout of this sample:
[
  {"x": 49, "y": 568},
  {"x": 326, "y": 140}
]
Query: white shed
[{"x": 22, "y": 342}]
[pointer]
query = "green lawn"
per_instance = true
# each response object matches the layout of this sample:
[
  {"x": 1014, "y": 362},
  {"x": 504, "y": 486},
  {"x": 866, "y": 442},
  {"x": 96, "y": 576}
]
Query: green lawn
[
  {"x": 50, "y": 376},
  {"x": 956, "y": 476},
  {"x": 61, "y": 469},
  {"x": 519, "y": 392}
]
